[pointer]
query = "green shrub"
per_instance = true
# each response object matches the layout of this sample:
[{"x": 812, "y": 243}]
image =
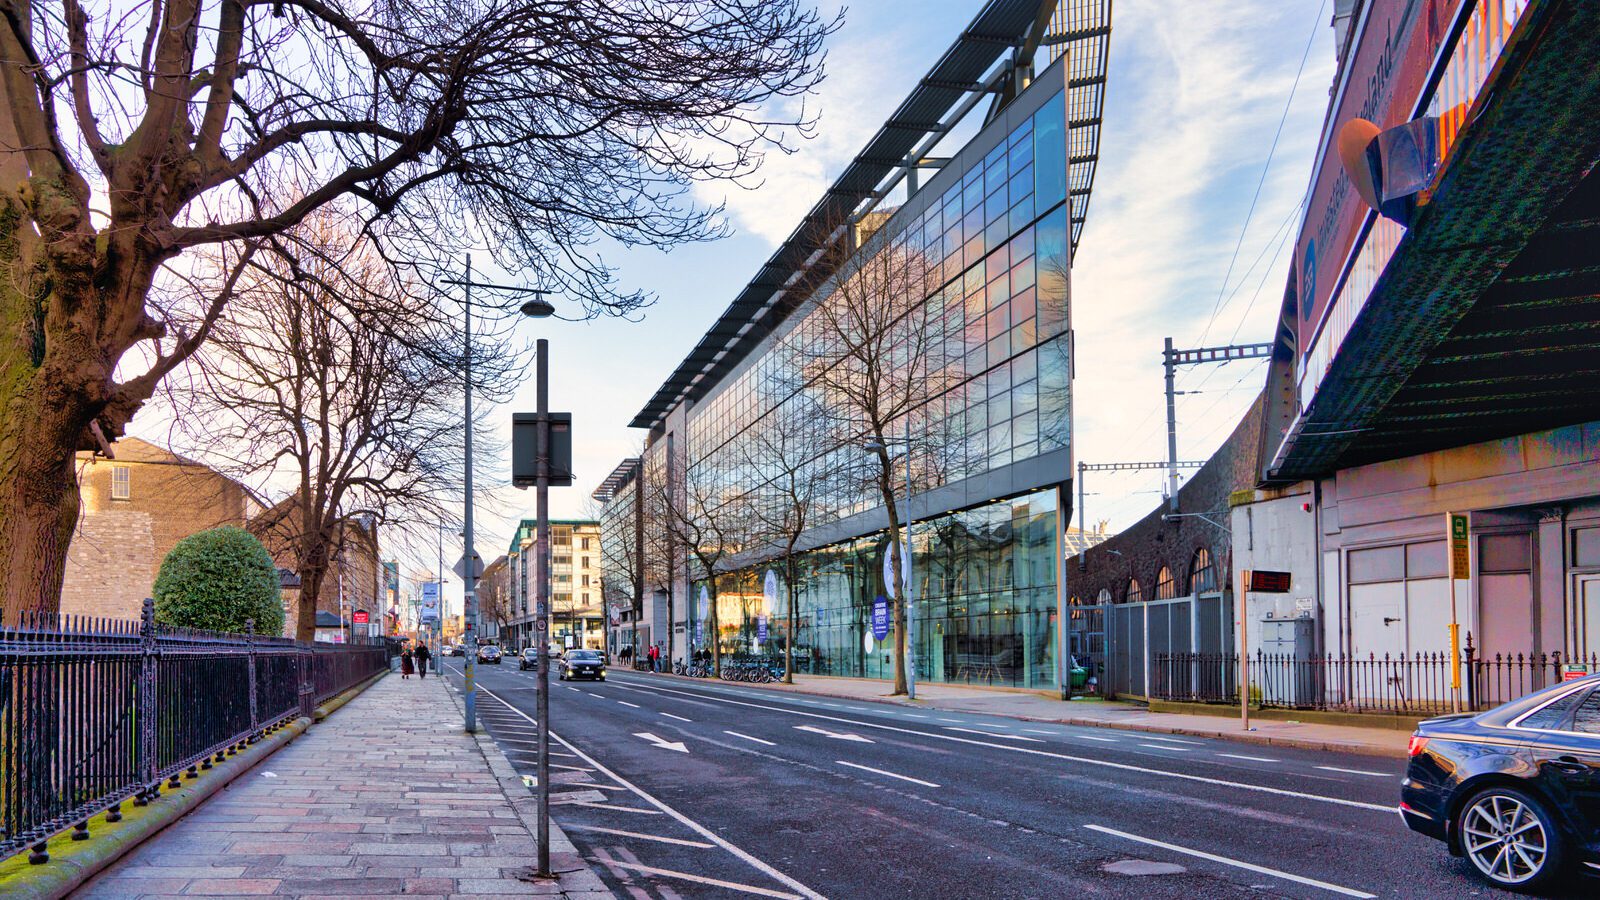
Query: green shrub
[{"x": 216, "y": 580}]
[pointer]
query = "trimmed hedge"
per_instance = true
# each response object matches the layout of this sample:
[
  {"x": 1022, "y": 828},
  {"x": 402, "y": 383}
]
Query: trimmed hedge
[{"x": 216, "y": 580}]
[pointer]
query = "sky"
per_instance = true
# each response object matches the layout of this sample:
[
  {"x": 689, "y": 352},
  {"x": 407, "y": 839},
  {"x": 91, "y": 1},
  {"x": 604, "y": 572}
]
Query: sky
[{"x": 1177, "y": 241}]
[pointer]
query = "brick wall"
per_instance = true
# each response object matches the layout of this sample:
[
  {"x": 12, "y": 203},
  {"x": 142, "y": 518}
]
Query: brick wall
[
  {"x": 118, "y": 546},
  {"x": 1140, "y": 551}
]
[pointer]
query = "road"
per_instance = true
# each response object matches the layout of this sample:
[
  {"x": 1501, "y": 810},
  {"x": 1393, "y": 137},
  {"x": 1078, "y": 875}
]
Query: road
[{"x": 678, "y": 787}]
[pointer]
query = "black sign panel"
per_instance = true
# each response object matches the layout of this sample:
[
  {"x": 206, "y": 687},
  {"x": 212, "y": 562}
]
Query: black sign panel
[{"x": 1265, "y": 582}]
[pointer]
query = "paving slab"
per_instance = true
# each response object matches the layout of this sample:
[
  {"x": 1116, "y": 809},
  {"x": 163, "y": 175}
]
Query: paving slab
[{"x": 386, "y": 796}]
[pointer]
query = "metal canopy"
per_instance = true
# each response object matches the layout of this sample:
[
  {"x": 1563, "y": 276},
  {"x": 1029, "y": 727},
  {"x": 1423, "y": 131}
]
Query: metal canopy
[
  {"x": 620, "y": 475},
  {"x": 1486, "y": 322},
  {"x": 1079, "y": 28}
]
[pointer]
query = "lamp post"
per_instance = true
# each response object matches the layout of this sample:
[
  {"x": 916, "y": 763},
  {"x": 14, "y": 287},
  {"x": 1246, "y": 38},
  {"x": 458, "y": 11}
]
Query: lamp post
[
  {"x": 535, "y": 308},
  {"x": 905, "y": 557}
]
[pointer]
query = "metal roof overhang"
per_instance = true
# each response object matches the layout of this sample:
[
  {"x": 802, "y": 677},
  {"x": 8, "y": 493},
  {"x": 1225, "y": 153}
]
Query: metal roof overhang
[
  {"x": 1486, "y": 322},
  {"x": 621, "y": 473},
  {"x": 1000, "y": 26}
]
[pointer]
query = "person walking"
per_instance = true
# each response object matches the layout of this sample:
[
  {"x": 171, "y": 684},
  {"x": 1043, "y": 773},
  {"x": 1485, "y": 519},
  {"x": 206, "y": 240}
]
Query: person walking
[
  {"x": 653, "y": 655},
  {"x": 405, "y": 663},
  {"x": 423, "y": 654}
]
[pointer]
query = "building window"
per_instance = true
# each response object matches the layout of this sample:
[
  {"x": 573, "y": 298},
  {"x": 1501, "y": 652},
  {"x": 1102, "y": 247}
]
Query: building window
[
  {"x": 585, "y": 561},
  {"x": 121, "y": 487},
  {"x": 586, "y": 578},
  {"x": 1104, "y": 596},
  {"x": 585, "y": 546},
  {"x": 1166, "y": 587},
  {"x": 1202, "y": 575},
  {"x": 1134, "y": 593}
]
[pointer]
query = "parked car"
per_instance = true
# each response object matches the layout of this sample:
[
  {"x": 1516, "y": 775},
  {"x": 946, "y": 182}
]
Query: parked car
[
  {"x": 528, "y": 659},
  {"x": 582, "y": 664},
  {"x": 489, "y": 653},
  {"x": 1516, "y": 790}
]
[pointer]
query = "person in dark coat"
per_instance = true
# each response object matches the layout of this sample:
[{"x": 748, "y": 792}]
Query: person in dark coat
[
  {"x": 423, "y": 654},
  {"x": 405, "y": 663}
]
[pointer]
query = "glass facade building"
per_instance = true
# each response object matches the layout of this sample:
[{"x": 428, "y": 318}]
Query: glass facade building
[{"x": 987, "y": 242}]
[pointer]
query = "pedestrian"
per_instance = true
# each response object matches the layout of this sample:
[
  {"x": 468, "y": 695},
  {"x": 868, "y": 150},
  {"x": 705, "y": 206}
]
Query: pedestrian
[
  {"x": 651, "y": 655},
  {"x": 405, "y": 663},
  {"x": 423, "y": 654}
]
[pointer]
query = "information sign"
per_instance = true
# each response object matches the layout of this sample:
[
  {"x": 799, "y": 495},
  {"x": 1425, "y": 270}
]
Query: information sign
[
  {"x": 880, "y": 618},
  {"x": 761, "y": 628},
  {"x": 1571, "y": 672},
  {"x": 361, "y": 617},
  {"x": 1264, "y": 581},
  {"x": 1460, "y": 547}
]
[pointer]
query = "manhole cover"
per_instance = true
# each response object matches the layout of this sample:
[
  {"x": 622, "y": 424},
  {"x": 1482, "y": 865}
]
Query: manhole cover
[{"x": 1142, "y": 867}]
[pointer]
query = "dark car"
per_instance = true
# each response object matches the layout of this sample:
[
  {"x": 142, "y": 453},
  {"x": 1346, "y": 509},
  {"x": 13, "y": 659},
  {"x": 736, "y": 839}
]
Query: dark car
[
  {"x": 489, "y": 653},
  {"x": 583, "y": 664},
  {"x": 528, "y": 659},
  {"x": 1516, "y": 790}
]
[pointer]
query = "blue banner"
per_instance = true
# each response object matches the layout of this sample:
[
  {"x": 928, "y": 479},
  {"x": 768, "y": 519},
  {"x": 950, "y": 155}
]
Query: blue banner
[
  {"x": 880, "y": 618},
  {"x": 761, "y": 628}
]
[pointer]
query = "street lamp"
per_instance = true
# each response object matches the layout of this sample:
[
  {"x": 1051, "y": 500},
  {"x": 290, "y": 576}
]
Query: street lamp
[
  {"x": 534, "y": 308},
  {"x": 882, "y": 447}
]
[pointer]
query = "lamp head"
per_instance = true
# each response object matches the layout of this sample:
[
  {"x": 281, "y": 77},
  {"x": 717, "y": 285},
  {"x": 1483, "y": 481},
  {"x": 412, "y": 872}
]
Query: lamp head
[{"x": 538, "y": 308}]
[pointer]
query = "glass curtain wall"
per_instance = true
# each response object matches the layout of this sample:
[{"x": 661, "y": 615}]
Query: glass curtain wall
[{"x": 985, "y": 601}]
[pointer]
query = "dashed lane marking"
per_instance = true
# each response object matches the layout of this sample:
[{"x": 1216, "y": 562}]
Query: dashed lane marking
[
  {"x": 1167, "y": 740},
  {"x": 1166, "y": 747},
  {"x": 1250, "y": 758},
  {"x": 626, "y": 703},
  {"x": 749, "y": 738},
  {"x": 632, "y": 809},
  {"x": 1009, "y": 737},
  {"x": 633, "y": 834},
  {"x": 889, "y": 774},
  {"x": 679, "y": 718},
  {"x": 1356, "y": 772},
  {"x": 1238, "y": 864}
]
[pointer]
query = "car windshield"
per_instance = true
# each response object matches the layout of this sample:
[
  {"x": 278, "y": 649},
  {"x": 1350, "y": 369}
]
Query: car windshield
[
  {"x": 583, "y": 655},
  {"x": 530, "y": 652}
]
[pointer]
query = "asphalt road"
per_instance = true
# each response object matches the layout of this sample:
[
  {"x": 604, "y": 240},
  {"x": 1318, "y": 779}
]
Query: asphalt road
[{"x": 678, "y": 787}]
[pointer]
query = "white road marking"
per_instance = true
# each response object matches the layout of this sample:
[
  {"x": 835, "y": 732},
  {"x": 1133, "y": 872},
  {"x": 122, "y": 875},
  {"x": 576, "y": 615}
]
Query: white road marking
[
  {"x": 569, "y": 687},
  {"x": 1010, "y": 737},
  {"x": 571, "y": 768},
  {"x": 957, "y": 721},
  {"x": 1090, "y": 737},
  {"x": 1250, "y": 758},
  {"x": 845, "y": 736},
  {"x": 860, "y": 708},
  {"x": 1388, "y": 810},
  {"x": 632, "y": 809},
  {"x": 1156, "y": 737},
  {"x": 1238, "y": 864},
  {"x": 633, "y": 834},
  {"x": 696, "y": 826},
  {"x": 593, "y": 694},
  {"x": 914, "y": 715},
  {"x": 588, "y": 784},
  {"x": 1165, "y": 747},
  {"x": 701, "y": 879},
  {"x": 987, "y": 725},
  {"x": 663, "y": 743},
  {"x": 679, "y": 718},
  {"x": 1037, "y": 731},
  {"x": 889, "y": 774},
  {"x": 1355, "y": 772},
  {"x": 626, "y": 703},
  {"x": 749, "y": 738}
]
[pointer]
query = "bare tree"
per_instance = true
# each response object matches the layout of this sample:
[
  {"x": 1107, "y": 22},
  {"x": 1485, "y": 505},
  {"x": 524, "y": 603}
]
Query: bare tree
[
  {"x": 784, "y": 453},
  {"x": 141, "y": 130},
  {"x": 621, "y": 554},
  {"x": 357, "y": 413},
  {"x": 707, "y": 515},
  {"x": 877, "y": 359}
]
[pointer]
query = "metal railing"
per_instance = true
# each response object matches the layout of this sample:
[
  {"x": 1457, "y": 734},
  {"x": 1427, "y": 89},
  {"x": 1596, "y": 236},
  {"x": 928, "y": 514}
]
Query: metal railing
[
  {"x": 1406, "y": 684},
  {"x": 94, "y": 711}
]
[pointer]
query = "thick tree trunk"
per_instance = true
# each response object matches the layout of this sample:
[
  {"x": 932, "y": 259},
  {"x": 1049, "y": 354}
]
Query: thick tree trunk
[
  {"x": 311, "y": 579},
  {"x": 897, "y": 574},
  {"x": 38, "y": 502}
]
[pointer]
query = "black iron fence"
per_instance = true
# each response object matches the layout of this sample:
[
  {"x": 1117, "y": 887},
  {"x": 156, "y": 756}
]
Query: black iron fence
[
  {"x": 1408, "y": 684},
  {"x": 94, "y": 712}
]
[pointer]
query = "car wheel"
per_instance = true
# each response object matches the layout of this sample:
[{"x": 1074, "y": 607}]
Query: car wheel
[{"x": 1511, "y": 839}]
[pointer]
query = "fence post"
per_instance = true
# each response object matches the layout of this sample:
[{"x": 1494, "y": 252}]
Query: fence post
[
  {"x": 250, "y": 648},
  {"x": 1471, "y": 673},
  {"x": 308, "y": 687},
  {"x": 148, "y": 705}
]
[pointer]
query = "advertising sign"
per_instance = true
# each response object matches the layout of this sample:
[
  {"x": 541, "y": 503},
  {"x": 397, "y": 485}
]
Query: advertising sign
[
  {"x": 880, "y": 618},
  {"x": 888, "y": 569},
  {"x": 761, "y": 629},
  {"x": 769, "y": 590},
  {"x": 1383, "y": 81},
  {"x": 430, "y": 602}
]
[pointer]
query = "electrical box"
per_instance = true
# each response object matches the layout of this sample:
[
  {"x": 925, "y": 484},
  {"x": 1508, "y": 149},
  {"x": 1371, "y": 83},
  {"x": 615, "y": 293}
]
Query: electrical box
[
  {"x": 525, "y": 449},
  {"x": 1288, "y": 674}
]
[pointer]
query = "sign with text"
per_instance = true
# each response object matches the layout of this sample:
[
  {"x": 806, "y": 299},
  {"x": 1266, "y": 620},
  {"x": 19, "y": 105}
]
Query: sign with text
[
  {"x": 1264, "y": 581},
  {"x": 1572, "y": 672},
  {"x": 1460, "y": 547},
  {"x": 361, "y": 617},
  {"x": 430, "y": 602},
  {"x": 761, "y": 628},
  {"x": 880, "y": 618}
]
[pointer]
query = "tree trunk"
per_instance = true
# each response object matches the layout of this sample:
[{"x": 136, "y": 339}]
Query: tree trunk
[
  {"x": 715, "y": 629},
  {"x": 897, "y": 574},
  {"x": 38, "y": 501},
  {"x": 794, "y": 618}
]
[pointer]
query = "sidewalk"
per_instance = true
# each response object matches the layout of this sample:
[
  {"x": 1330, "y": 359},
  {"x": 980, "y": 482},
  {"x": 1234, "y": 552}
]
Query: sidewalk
[
  {"x": 386, "y": 796},
  {"x": 1036, "y": 707}
]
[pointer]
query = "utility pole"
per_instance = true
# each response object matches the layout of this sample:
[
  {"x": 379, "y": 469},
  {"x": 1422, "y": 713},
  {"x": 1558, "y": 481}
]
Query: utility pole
[
  {"x": 541, "y": 625},
  {"x": 469, "y": 574},
  {"x": 1170, "y": 361},
  {"x": 1083, "y": 467}
]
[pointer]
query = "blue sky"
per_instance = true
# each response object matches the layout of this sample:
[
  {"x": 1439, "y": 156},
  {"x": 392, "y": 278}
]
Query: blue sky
[{"x": 1195, "y": 94}]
